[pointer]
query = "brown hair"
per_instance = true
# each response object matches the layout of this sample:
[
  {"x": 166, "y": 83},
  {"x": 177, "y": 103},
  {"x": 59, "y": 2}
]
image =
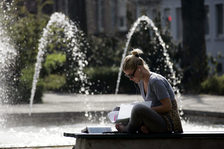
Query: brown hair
[{"x": 133, "y": 60}]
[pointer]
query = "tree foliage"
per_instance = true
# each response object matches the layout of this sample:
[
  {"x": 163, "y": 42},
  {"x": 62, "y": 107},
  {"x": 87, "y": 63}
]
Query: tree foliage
[{"x": 104, "y": 50}]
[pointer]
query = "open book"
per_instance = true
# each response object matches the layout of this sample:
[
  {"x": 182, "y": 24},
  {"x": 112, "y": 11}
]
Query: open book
[
  {"x": 124, "y": 113},
  {"x": 96, "y": 129}
]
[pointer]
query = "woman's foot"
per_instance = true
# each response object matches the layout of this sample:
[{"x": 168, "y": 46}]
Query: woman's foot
[
  {"x": 144, "y": 129},
  {"x": 120, "y": 127}
]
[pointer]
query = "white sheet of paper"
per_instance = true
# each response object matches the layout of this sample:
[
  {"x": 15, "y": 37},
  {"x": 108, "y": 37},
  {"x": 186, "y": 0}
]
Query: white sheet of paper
[
  {"x": 125, "y": 109},
  {"x": 113, "y": 116}
]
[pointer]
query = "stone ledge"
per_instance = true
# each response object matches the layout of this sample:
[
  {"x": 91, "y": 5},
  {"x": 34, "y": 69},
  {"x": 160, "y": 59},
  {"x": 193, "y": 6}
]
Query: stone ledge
[
  {"x": 114, "y": 135},
  {"x": 199, "y": 140},
  {"x": 203, "y": 113}
]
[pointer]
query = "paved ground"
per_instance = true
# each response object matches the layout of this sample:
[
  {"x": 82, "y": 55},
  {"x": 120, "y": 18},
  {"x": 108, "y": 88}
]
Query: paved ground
[{"x": 56, "y": 103}]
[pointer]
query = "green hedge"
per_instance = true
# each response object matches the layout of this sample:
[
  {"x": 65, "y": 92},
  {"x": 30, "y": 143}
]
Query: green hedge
[
  {"x": 54, "y": 63},
  {"x": 25, "y": 86},
  {"x": 102, "y": 80},
  {"x": 213, "y": 85},
  {"x": 54, "y": 82}
]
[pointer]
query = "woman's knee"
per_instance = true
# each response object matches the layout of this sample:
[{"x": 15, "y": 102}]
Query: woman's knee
[{"x": 140, "y": 109}]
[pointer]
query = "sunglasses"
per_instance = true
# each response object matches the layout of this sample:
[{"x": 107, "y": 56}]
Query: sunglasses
[{"x": 131, "y": 76}]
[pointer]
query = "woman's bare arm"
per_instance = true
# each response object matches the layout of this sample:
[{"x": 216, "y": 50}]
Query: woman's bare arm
[{"x": 165, "y": 107}]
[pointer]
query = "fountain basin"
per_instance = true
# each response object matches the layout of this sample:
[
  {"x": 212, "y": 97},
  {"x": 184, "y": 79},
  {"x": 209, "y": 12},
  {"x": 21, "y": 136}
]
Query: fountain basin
[
  {"x": 66, "y": 113},
  {"x": 61, "y": 118},
  {"x": 188, "y": 140}
]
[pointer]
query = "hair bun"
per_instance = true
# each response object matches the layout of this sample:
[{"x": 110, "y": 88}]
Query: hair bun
[{"x": 136, "y": 52}]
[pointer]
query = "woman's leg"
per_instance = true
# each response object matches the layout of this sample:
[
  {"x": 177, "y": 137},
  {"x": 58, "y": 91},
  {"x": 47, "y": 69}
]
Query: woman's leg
[{"x": 144, "y": 116}]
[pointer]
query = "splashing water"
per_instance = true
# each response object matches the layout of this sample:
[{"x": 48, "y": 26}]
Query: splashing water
[
  {"x": 7, "y": 56},
  {"x": 59, "y": 20},
  {"x": 168, "y": 62}
]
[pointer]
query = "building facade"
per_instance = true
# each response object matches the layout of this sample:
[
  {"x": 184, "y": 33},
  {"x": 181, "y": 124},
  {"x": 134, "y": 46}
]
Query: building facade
[
  {"x": 107, "y": 17},
  {"x": 95, "y": 16},
  {"x": 171, "y": 17}
]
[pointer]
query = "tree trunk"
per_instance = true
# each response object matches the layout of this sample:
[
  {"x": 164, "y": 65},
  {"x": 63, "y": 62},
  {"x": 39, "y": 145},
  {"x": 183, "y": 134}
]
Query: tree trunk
[{"x": 194, "y": 59}]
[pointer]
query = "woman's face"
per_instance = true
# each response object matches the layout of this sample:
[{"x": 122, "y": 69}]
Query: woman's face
[{"x": 133, "y": 74}]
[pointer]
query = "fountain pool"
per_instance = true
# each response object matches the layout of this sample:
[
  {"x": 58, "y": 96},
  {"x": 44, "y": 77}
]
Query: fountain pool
[{"x": 52, "y": 135}]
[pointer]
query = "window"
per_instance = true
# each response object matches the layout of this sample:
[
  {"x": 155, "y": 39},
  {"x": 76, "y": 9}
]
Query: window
[
  {"x": 121, "y": 21},
  {"x": 207, "y": 19},
  {"x": 219, "y": 19},
  {"x": 122, "y": 13},
  {"x": 179, "y": 24},
  {"x": 100, "y": 15},
  {"x": 114, "y": 12}
]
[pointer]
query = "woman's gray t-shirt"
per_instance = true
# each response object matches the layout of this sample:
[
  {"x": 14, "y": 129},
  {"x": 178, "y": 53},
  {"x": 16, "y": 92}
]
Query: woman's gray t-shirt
[{"x": 158, "y": 88}]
